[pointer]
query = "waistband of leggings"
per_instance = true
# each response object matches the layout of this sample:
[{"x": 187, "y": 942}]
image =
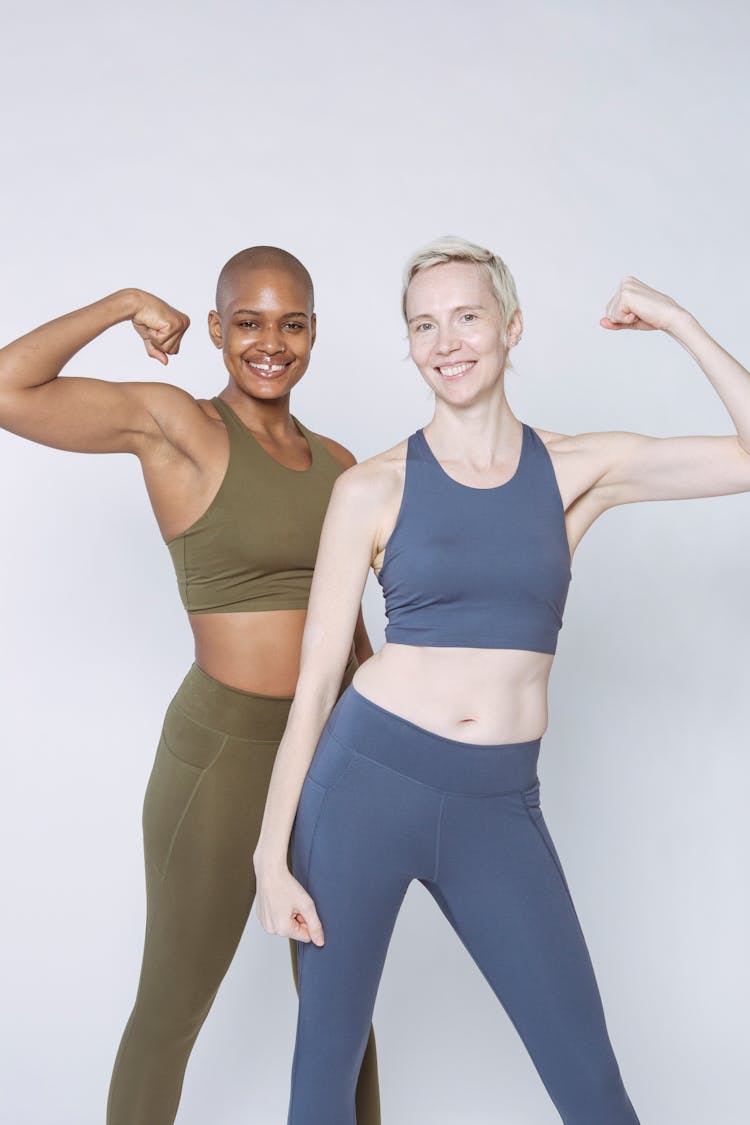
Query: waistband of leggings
[
  {"x": 240, "y": 714},
  {"x": 448, "y": 764}
]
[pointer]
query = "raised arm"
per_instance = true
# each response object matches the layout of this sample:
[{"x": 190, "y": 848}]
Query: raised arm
[
  {"x": 344, "y": 555},
  {"x": 88, "y": 415},
  {"x": 632, "y": 467}
]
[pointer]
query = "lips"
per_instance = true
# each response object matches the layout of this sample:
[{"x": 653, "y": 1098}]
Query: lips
[
  {"x": 455, "y": 370},
  {"x": 268, "y": 370}
]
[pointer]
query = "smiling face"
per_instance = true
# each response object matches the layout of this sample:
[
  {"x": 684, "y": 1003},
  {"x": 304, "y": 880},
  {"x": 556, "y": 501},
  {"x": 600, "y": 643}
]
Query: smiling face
[
  {"x": 456, "y": 330},
  {"x": 265, "y": 326}
]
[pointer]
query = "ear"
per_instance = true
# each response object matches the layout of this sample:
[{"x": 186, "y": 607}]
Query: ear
[
  {"x": 214, "y": 329},
  {"x": 313, "y": 328},
  {"x": 515, "y": 328}
]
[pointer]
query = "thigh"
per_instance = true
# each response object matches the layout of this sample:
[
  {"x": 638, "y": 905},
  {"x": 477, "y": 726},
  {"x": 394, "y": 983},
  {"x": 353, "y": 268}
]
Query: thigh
[
  {"x": 501, "y": 885},
  {"x": 348, "y": 851},
  {"x": 356, "y": 889},
  {"x": 201, "y": 819}
]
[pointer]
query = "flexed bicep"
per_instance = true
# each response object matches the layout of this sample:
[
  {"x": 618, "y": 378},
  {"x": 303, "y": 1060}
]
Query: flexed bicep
[{"x": 89, "y": 415}]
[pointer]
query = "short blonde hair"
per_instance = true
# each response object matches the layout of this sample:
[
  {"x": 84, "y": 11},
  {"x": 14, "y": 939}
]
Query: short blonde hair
[{"x": 450, "y": 248}]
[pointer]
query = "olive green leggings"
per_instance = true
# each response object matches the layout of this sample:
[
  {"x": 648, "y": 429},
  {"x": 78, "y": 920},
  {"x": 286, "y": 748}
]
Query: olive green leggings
[{"x": 201, "y": 820}]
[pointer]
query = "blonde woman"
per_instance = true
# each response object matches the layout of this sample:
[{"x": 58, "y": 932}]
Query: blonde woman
[{"x": 426, "y": 767}]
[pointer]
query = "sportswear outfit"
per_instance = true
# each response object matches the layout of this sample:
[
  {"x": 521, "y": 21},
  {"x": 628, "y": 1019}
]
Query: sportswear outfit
[
  {"x": 386, "y": 801},
  {"x": 253, "y": 549}
]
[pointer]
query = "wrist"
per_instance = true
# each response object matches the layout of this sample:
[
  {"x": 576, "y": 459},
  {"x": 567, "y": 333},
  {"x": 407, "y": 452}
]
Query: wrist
[
  {"x": 681, "y": 323},
  {"x": 269, "y": 863},
  {"x": 125, "y": 303}
]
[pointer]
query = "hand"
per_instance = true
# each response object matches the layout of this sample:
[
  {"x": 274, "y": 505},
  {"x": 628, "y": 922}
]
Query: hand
[
  {"x": 285, "y": 908},
  {"x": 159, "y": 325},
  {"x": 635, "y": 305}
]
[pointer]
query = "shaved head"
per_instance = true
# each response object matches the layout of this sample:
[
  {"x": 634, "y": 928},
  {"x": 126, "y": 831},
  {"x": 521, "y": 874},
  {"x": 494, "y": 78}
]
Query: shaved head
[{"x": 263, "y": 259}]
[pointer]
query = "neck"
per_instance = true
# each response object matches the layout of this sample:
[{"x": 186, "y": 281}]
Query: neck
[
  {"x": 273, "y": 415},
  {"x": 476, "y": 431}
]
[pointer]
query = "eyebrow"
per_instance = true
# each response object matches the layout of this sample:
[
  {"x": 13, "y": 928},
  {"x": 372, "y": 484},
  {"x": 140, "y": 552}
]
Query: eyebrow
[
  {"x": 254, "y": 312},
  {"x": 458, "y": 308}
]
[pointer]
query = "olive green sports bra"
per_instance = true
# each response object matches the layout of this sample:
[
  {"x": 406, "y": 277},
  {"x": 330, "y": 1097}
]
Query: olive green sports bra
[{"x": 254, "y": 547}]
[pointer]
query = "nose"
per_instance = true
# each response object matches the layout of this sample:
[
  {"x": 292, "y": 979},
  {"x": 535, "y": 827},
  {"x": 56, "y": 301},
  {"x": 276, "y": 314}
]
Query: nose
[
  {"x": 270, "y": 343},
  {"x": 446, "y": 342}
]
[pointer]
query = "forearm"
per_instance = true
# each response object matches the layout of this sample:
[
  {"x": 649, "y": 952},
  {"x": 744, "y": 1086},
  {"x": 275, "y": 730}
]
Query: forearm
[
  {"x": 40, "y": 355},
  {"x": 729, "y": 378},
  {"x": 307, "y": 718}
]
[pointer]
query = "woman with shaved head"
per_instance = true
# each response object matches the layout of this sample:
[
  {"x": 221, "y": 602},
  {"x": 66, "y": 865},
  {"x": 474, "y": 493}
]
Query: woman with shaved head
[{"x": 239, "y": 488}]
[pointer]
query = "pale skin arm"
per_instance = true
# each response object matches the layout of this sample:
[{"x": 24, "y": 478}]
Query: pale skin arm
[
  {"x": 635, "y": 467},
  {"x": 90, "y": 415},
  {"x": 344, "y": 556},
  {"x": 362, "y": 646}
]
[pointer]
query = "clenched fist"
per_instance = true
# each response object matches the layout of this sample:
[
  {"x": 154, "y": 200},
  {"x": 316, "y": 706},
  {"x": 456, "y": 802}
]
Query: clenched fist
[{"x": 159, "y": 325}]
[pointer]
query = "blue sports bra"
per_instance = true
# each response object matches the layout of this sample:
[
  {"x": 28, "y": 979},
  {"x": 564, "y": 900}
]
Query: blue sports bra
[{"x": 477, "y": 567}]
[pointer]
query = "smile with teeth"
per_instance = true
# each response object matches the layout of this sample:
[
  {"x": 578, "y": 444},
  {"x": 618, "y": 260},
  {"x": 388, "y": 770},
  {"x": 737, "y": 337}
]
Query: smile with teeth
[
  {"x": 268, "y": 369},
  {"x": 453, "y": 370}
]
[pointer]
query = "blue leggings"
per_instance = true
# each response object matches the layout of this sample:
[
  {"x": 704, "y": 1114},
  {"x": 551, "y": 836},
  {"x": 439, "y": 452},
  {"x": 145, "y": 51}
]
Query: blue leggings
[{"x": 385, "y": 802}]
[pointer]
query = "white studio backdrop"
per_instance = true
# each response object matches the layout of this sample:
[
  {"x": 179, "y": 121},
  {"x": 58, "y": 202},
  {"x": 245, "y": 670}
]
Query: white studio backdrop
[{"x": 142, "y": 146}]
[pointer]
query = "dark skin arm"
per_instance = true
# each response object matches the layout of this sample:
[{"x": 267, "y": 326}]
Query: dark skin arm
[
  {"x": 92, "y": 415},
  {"x": 180, "y": 443}
]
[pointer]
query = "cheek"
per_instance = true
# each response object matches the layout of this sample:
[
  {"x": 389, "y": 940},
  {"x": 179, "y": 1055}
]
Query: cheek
[
  {"x": 420, "y": 348},
  {"x": 485, "y": 340},
  {"x": 298, "y": 348},
  {"x": 238, "y": 339}
]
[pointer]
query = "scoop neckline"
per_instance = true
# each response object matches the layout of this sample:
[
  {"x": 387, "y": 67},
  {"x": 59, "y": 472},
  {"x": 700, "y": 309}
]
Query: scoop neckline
[
  {"x": 471, "y": 487},
  {"x": 300, "y": 428}
]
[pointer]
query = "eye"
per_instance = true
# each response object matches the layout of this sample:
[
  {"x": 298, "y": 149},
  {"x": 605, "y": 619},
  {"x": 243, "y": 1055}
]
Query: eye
[
  {"x": 423, "y": 325},
  {"x": 248, "y": 324},
  {"x": 469, "y": 317},
  {"x": 293, "y": 324}
]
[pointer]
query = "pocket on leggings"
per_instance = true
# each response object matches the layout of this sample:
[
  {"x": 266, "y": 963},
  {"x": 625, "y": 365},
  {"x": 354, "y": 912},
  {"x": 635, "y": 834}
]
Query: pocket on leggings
[
  {"x": 533, "y": 808},
  {"x": 330, "y": 761},
  {"x": 170, "y": 792},
  {"x": 188, "y": 741},
  {"x": 311, "y": 801},
  {"x": 329, "y": 765}
]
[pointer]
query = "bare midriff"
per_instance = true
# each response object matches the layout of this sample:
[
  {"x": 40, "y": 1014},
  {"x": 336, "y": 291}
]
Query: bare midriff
[
  {"x": 257, "y": 652},
  {"x": 478, "y": 695}
]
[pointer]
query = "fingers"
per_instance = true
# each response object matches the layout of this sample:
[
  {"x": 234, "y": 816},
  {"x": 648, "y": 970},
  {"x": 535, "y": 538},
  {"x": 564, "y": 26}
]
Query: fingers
[
  {"x": 154, "y": 352},
  {"x": 160, "y": 327},
  {"x": 160, "y": 342},
  {"x": 301, "y": 921},
  {"x": 618, "y": 313},
  {"x": 631, "y": 321},
  {"x": 310, "y": 924}
]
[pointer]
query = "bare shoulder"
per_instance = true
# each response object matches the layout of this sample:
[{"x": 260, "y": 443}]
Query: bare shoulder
[
  {"x": 559, "y": 443},
  {"x": 339, "y": 452},
  {"x": 369, "y": 491},
  {"x": 593, "y": 443},
  {"x": 582, "y": 462},
  {"x": 379, "y": 472},
  {"x": 165, "y": 402},
  {"x": 192, "y": 427},
  {"x": 376, "y": 486}
]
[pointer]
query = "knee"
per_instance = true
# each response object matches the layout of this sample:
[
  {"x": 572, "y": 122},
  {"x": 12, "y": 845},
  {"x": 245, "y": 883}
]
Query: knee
[{"x": 163, "y": 1013}]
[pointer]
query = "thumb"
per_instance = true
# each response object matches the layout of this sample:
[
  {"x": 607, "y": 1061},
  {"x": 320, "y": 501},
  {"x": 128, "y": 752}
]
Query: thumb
[{"x": 308, "y": 921}]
